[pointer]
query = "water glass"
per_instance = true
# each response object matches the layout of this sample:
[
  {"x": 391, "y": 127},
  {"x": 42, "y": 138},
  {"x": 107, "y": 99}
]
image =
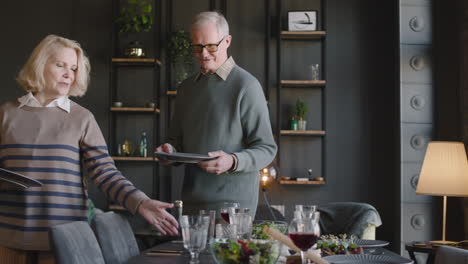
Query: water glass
[
  {"x": 194, "y": 234},
  {"x": 242, "y": 223},
  {"x": 211, "y": 228}
]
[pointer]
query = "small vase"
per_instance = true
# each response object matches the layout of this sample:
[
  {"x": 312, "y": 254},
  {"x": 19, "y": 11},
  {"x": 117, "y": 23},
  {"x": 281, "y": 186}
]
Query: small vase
[
  {"x": 294, "y": 124},
  {"x": 302, "y": 125},
  {"x": 134, "y": 50}
]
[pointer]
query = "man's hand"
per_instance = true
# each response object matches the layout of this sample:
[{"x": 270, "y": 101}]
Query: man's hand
[
  {"x": 155, "y": 213},
  {"x": 220, "y": 165},
  {"x": 168, "y": 148}
]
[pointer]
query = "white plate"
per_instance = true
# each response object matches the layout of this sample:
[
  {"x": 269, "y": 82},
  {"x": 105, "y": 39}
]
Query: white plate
[
  {"x": 17, "y": 179},
  {"x": 367, "y": 259},
  {"x": 183, "y": 157}
]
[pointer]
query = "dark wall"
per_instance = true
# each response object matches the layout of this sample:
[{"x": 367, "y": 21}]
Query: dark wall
[
  {"x": 452, "y": 95},
  {"x": 360, "y": 103}
]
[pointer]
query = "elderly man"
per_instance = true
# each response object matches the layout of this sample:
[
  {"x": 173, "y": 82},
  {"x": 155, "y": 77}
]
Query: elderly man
[{"x": 221, "y": 111}]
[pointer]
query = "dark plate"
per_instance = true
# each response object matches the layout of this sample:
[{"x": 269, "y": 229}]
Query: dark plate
[
  {"x": 367, "y": 259},
  {"x": 17, "y": 179},
  {"x": 183, "y": 157},
  {"x": 367, "y": 243}
]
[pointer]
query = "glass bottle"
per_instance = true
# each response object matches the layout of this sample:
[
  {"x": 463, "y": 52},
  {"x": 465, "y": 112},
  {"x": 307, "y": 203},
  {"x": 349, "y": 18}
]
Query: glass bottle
[{"x": 143, "y": 145}]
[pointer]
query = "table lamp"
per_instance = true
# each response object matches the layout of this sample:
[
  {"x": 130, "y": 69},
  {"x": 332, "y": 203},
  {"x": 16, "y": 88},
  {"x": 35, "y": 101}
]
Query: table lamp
[{"x": 444, "y": 173}]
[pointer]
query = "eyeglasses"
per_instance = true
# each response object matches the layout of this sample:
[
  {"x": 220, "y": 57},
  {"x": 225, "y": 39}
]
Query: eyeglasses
[{"x": 198, "y": 48}]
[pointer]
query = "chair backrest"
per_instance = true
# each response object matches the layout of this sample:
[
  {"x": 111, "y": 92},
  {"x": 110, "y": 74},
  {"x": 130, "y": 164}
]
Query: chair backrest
[
  {"x": 115, "y": 236},
  {"x": 75, "y": 243},
  {"x": 265, "y": 213},
  {"x": 451, "y": 255},
  {"x": 348, "y": 218}
]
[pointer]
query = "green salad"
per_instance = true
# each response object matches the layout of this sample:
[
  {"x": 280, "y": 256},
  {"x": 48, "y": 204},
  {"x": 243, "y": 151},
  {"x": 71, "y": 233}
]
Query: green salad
[
  {"x": 257, "y": 228},
  {"x": 245, "y": 251}
]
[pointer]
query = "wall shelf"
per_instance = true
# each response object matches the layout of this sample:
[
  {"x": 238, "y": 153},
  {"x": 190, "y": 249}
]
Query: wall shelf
[
  {"x": 302, "y": 182},
  {"x": 136, "y": 61},
  {"x": 303, "y": 34},
  {"x": 303, "y": 132},
  {"x": 135, "y": 109},
  {"x": 302, "y": 83}
]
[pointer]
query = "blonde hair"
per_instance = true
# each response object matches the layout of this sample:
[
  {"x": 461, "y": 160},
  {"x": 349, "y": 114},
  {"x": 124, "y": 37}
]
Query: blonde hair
[
  {"x": 212, "y": 17},
  {"x": 31, "y": 76}
]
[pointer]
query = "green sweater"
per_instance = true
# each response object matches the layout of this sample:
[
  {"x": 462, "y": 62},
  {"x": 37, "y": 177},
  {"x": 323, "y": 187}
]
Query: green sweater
[{"x": 231, "y": 115}]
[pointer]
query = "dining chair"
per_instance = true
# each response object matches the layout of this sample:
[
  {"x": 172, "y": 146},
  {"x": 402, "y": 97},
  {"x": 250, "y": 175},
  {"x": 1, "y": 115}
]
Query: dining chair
[
  {"x": 452, "y": 255},
  {"x": 360, "y": 219},
  {"x": 115, "y": 236},
  {"x": 265, "y": 212},
  {"x": 75, "y": 243}
]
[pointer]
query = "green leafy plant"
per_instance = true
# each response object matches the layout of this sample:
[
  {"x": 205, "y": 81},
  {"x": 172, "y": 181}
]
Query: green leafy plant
[
  {"x": 301, "y": 109},
  {"x": 180, "y": 55},
  {"x": 179, "y": 47},
  {"x": 135, "y": 16}
]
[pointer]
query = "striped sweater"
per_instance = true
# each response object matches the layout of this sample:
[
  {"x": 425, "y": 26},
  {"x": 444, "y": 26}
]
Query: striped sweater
[{"x": 53, "y": 146}]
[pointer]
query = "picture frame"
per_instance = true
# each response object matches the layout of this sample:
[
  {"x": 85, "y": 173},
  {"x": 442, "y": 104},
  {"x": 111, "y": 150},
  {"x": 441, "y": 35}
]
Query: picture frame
[{"x": 302, "y": 20}]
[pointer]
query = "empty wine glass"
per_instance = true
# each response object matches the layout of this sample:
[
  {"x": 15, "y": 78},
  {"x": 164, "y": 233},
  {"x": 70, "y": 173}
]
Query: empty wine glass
[
  {"x": 303, "y": 232},
  {"x": 194, "y": 234}
]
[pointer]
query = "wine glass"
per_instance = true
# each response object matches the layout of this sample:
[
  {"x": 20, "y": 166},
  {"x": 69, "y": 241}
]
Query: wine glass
[
  {"x": 303, "y": 232},
  {"x": 225, "y": 210},
  {"x": 194, "y": 234}
]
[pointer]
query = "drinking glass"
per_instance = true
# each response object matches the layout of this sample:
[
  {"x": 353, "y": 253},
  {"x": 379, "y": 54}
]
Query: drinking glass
[
  {"x": 194, "y": 234},
  {"x": 314, "y": 68},
  {"x": 225, "y": 210},
  {"x": 303, "y": 232},
  {"x": 307, "y": 210}
]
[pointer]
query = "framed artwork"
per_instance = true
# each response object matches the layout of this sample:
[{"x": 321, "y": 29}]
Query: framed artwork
[{"x": 302, "y": 20}]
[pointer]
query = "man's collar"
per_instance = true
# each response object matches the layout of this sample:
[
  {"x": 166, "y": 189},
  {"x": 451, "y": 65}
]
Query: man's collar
[
  {"x": 62, "y": 102},
  {"x": 223, "y": 71}
]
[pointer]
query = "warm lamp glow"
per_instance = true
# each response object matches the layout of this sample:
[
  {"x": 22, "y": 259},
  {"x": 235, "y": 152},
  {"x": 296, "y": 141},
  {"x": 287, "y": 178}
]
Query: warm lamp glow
[
  {"x": 445, "y": 170},
  {"x": 267, "y": 175},
  {"x": 444, "y": 173}
]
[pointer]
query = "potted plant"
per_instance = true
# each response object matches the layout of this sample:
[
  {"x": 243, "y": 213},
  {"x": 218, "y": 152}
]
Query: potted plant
[
  {"x": 180, "y": 55},
  {"x": 301, "y": 110},
  {"x": 134, "y": 17}
]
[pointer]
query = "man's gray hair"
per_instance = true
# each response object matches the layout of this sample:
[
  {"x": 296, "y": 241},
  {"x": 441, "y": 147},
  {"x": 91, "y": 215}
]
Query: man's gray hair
[{"x": 212, "y": 17}]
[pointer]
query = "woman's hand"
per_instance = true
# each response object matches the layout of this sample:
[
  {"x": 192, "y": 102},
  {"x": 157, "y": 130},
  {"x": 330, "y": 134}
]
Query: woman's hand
[
  {"x": 155, "y": 213},
  {"x": 220, "y": 165}
]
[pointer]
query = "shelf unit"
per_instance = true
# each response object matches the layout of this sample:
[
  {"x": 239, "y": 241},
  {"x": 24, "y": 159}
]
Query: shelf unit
[
  {"x": 313, "y": 92},
  {"x": 301, "y": 182},
  {"x": 134, "y": 117}
]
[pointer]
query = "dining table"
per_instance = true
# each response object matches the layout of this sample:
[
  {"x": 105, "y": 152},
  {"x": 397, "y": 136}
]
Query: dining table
[{"x": 173, "y": 252}]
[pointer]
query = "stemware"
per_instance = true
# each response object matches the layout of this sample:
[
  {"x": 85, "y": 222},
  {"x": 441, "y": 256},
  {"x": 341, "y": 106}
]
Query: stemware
[
  {"x": 225, "y": 210},
  {"x": 194, "y": 234},
  {"x": 303, "y": 232}
]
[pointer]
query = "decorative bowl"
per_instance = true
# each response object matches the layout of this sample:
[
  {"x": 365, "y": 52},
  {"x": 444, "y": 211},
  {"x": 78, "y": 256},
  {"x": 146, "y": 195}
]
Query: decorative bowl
[{"x": 253, "y": 251}]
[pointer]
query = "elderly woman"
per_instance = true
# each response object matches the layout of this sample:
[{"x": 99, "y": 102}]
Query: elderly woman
[{"x": 46, "y": 136}]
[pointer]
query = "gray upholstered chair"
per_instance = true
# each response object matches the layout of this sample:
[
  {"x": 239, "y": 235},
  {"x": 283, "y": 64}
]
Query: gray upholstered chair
[
  {"x": 452, "y": 255},
  {"x": 349, "y": 218},
  {"x": 115, "y": 236},
  {"x": 75, "y": 243},
  {"x": 265, "y": 213}
]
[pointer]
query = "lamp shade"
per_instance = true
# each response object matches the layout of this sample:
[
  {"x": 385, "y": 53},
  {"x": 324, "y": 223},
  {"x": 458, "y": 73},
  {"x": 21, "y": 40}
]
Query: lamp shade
[{"x": 445, "y": 170}]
